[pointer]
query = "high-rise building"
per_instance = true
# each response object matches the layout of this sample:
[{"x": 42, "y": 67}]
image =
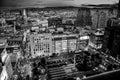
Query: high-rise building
[
  {"x": 112, "y": 37},
  {"x": 84, "y": 17},
  {"x": 41, "y": 44}
]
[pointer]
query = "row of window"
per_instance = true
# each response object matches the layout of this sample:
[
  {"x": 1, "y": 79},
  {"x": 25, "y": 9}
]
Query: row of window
[
  {"x": 41, "y": 49},
  {"x": 41, "y": 38},
  {"x": 42, "y": 44},
  {"x": 46, "y": 51}
]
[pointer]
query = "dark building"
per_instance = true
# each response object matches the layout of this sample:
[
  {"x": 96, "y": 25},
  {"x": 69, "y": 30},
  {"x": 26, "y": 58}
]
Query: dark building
[
  {"x": 84, "y": 17},
  {"x": 112, "y": 37},
  {"x": 54, "y": 21}
]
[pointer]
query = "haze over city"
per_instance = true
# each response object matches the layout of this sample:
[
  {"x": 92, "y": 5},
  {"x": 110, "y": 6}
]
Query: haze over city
[{"x": 53, "y": 3}]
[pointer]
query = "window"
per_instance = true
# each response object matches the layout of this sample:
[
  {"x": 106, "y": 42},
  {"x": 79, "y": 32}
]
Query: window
[{"x": 34, "y": 49}]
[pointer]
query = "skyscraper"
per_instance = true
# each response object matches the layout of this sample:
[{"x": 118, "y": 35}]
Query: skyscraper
[
  {"x": 84, "y": 17},
  {"x": 112, "y": 37}
]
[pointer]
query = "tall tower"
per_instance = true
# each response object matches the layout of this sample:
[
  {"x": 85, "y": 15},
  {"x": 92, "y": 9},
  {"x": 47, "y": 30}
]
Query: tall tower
[
  {"x": 24, "y": 14},
  {"x": 112, "y": 36}
]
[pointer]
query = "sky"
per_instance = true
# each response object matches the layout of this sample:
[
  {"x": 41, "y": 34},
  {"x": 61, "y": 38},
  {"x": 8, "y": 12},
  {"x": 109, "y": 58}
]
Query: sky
[{"x": 53, "y": 3}]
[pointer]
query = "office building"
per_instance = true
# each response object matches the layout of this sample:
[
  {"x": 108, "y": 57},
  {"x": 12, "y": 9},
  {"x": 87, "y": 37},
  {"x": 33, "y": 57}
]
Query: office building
[
  {"x": 112, "y": 38},
  {"x": 84, "y": 17},
  {"x": 64, "y": 42},
  {"x": 41, "y": 44},
  {"x": 96, "y": 39}
]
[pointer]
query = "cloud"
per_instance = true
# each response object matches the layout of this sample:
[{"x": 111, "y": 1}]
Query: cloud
[{"x": 94, "y": 2}]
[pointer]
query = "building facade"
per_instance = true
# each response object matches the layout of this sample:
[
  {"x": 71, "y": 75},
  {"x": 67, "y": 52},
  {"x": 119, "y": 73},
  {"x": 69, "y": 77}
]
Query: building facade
[
  {"x": 96, "y": 39},
  {"x": 64, "y": 42},
  {"x": 41, "y": 44},
  {"x": 112, "y": 38},
  {"x": 95, "y": 17}
]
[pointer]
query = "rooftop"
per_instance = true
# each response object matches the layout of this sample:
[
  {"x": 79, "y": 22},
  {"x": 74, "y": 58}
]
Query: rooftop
[{"x": 15, "y": 39}]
